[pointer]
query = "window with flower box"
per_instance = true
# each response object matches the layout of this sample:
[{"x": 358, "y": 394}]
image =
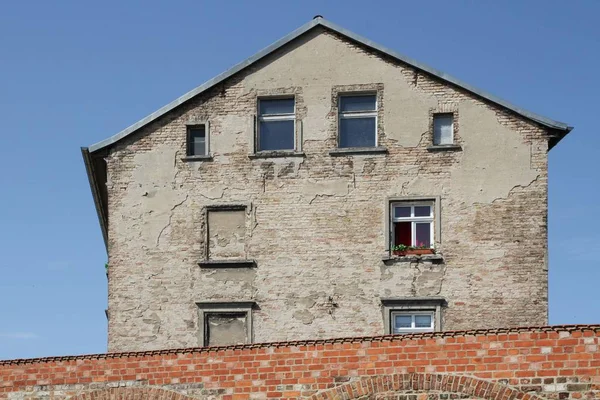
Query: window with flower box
[{"x": 412, "y": 225}]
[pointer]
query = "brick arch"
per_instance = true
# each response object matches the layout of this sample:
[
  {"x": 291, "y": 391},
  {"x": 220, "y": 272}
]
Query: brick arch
[
  {"x": 369, "y": 387},
  {"x": 123, "y": 393}
]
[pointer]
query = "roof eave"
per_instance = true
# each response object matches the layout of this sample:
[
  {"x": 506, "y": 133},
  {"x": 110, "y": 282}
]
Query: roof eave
[{"x": 93, "y": 181}]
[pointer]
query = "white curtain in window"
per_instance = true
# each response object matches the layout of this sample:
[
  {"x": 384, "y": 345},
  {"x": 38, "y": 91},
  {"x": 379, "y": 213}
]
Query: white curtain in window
[{"x": 442, "y": 129}]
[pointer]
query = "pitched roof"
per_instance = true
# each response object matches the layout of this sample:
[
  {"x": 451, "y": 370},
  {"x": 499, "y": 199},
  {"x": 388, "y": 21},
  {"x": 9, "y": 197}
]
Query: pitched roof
[{"x": 559, "y": 127}]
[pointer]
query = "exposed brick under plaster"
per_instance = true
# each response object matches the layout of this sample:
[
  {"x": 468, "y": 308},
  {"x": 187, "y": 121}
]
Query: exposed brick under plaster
[{"x": 555, "y": 362}]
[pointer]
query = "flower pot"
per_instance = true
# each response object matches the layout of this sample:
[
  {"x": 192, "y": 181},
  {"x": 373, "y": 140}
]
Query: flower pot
[{"x": 416, "y": 252}]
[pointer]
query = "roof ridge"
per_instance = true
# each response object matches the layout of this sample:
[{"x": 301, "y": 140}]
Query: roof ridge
[{"x": 310, "y": 342}]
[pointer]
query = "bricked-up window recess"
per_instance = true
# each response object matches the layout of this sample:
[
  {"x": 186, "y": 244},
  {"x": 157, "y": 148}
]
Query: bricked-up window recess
[
  {"x": 197, "y": 140},
  {"x": 357, "y": 121},
  {"x": 223, "y": 324},
  {"x": 226, "y": 232},
  {"x": 412, "y": 224},
  {"x": 276, "y": 124},
  {"x": 443, "y": 129}
]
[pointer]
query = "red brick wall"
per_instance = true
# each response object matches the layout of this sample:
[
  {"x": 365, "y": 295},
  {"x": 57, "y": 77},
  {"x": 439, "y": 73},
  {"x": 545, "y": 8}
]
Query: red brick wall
[{"x": 557, "y": 362}]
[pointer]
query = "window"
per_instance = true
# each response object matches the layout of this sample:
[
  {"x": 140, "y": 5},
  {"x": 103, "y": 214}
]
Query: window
[
  {"x": 223, "y": 324},
  {"x": 276, "y": 124},
  {"x": 412, "y": 314},
  {"x": 412, "y": 322},
  {"x": 197, "y": 145},
  {"x": 443, "y": 129},
  {"x": 412, "y": 224},
  {"x": 358, "y": 121}
]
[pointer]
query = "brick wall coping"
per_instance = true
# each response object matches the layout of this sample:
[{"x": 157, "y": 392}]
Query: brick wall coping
[{"x": 356, "y": 339}]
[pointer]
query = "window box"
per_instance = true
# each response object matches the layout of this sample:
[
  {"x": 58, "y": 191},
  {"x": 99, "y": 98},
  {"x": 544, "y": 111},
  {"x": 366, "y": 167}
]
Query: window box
[{"x": 416, "y": 252}]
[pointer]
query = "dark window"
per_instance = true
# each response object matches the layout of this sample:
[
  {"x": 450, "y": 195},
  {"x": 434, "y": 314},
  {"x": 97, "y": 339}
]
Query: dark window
[
  {"x": 276, "y": 124},
  {"x": 196, "y": 140},
  {"x": 357, "y": 121}
]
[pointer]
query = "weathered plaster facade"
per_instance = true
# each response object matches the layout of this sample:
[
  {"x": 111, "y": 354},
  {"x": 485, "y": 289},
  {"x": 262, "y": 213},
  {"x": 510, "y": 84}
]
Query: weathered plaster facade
[{"x": 315, "y": 223}]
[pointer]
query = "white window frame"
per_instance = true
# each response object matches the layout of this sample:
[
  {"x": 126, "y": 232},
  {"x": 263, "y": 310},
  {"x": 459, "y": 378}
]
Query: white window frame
[
  {"x": 443, "y": 114},
  {"x": 275, "y": 117},
  {"x": 414, "y": 220},
  {"x": 413, "y": 328},
  {"x": 357, "y": 114}
]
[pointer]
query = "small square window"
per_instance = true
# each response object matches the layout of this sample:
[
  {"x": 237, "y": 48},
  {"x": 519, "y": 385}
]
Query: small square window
[
  {"x": 357, "y": 121},
  {"x": 196, "y": 140},
  {"x": 412, "y": 224},
  {"x": 276, "y": 124},
  {"x": 443, "y": 129},
  {"x": 413, "y": 321}
]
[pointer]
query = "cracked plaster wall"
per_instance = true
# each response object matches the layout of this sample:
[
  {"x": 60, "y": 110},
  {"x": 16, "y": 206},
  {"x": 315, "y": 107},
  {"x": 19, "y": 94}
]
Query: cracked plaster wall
[{"x": 316, "y": 223}]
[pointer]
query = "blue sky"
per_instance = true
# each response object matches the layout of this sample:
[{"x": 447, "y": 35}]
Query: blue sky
[{"x": 75, "y": 72}]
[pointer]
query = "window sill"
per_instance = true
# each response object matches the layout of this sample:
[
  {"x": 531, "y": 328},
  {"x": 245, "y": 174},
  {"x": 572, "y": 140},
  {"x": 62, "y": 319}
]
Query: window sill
[
  {"x": 432, "y": 258},
  {"x": 207, "y": 157},
  {"x": 445, "y": 147},
  {"x": 345, "y": 151},
  {"x": 275, "y": 154},
  {"x": 227, "y": 264}
]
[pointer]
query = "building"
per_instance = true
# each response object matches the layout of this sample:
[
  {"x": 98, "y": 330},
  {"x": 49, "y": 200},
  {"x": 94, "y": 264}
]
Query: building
[{"x": 265, "y": 205}]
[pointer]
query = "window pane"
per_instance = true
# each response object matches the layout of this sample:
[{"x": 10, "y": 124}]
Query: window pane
[
  {"x": 276, "y": 135},
  {"x": 402, "y": 321},
  {"x": 401, "y": 212},
  {"x": 357, "y": 132},
  {"x": 423, "y": 234},
  {"x": 357, "y": 103},
  {"x": 422, "y": 321},
  {"x": 276, "y": 106},
  {"x": 442, "y": 129},
  {"x": 197, "y": 145},
  {"x": 403, "y": 233},
  {"x": 422, "y": 211}
]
